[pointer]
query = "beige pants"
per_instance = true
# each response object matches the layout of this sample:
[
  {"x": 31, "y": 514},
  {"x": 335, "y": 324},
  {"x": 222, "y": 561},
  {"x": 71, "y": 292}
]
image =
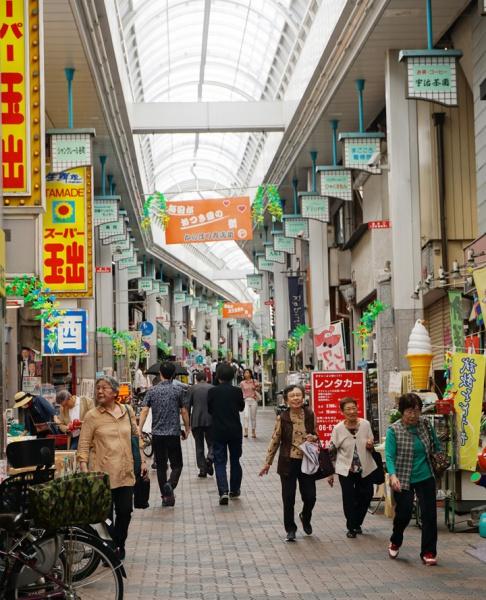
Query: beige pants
[{"x": 249, "y": 416}]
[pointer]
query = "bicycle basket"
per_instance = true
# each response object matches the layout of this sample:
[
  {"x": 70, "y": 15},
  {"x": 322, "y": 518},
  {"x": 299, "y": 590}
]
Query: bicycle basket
[
  {"x": 14, "y": 490},
  {"x": 78, "y": 499}
]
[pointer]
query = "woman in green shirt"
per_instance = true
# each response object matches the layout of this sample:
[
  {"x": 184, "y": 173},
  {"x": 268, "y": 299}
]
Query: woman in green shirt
[{"x": 409, "y": 444}]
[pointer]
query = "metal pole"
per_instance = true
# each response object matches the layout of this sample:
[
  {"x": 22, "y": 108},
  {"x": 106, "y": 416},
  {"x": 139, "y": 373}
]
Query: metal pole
[
  {"x": 261, "y": 356},
  {"x": 69, "y": 77},
  {"x": 103, "y": 177},
  {"x": 295, "y": 183},
  {"x": 430, "y": 33},
  {"x": 313, "y": 155},
  {"x": 360, "y": 84},
  {"x": 334, "y": 127},
  {"x": 110, "y": 184}
]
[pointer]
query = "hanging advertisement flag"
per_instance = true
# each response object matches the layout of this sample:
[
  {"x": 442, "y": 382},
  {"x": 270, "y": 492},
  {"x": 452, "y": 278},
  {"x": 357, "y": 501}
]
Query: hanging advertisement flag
[
  {"x": 467, "y": 377},
  {"x": 237, "y": 310},
  {"x": 336, "y": 182},
  {"x": 296, "y": 227},
  {"x": 457, "y": 324},
  {"x": 214, "y": 220},
  {"x": 296, "y": 302},
  {"x": 479, "y": 276},
  {"x": 314, "y": 206},
  {"x": 264, "y": 264},
  {"x": 281, "y": 243},
  {"x": 255, "y": 281},
  {"x": 327, "y": 390},
  {"x": 22, "y": 104},
  {"x": 68, "y": 234},
  {"x": 274, "y": 255},
  {"x": 329, "y": 345},
  {"x": 71, "y": 335}
]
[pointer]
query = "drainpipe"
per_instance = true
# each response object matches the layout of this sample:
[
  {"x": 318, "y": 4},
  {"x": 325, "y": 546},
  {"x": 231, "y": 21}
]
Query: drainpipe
[{"x": 439, "y": 119}]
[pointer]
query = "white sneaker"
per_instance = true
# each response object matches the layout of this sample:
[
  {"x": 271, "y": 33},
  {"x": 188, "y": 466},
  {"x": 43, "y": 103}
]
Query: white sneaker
[{"x": 393, "y": 550}]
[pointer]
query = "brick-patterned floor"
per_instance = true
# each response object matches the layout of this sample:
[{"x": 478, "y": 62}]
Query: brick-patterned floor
[{"x": 201, "y": 550}]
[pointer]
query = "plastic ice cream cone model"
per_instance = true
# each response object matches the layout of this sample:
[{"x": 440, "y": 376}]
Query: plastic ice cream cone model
[{"x": 419, "y": 355}]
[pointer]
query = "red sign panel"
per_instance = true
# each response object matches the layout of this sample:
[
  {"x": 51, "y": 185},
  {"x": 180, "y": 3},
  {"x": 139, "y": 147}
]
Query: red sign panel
[
  {"x": 379, "y": 224},
  {"x": 328, "y": 388},
  {"x": 103, "y": 269}
]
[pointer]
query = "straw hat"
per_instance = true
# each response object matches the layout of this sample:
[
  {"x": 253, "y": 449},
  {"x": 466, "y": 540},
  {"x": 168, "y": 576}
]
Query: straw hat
[{"x": 22, "y": 398}]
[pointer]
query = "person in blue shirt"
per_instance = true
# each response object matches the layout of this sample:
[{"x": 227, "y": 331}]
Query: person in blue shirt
[
  {"x": 409, "y": 444},
  {"x": 37, "y": 411}
]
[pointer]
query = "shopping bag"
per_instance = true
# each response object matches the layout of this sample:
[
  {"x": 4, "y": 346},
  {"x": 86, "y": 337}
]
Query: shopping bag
[{"x": 141, "y": 492}]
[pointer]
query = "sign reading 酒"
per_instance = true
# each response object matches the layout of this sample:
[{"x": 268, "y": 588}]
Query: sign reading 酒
[
  {"x": 71, "y": 335},
  {"x": 215, "y": 220},
  {"x": 237, "y": 310},
  {"x": 67, "y": 242},
  {"x": 327, "y": 390}
]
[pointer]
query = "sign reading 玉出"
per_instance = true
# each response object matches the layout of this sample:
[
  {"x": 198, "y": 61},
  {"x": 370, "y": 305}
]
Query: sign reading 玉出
[
  {"x": 68, "y": 234},
  {"x": 213, "y": 220}
]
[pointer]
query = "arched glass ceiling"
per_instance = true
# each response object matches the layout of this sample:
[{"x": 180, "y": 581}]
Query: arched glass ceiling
[{"x": 209, "y": 50}]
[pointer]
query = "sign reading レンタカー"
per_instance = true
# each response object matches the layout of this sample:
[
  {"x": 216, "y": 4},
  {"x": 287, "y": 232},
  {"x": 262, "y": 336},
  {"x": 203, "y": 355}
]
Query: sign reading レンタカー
[
  {"x": 327, "y": 390},
  {"x": 68, "y": 237},
  {"x": 71, "y": 335},
  {"x": 214, "y": 220},
  {"x": 467, "y": 377},
  {"x": 237, "y": 310}
]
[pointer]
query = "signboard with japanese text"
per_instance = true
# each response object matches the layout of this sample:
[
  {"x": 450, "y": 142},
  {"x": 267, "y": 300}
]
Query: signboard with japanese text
[
  {"x": 336, "y": 183},
  {"x": 68, "y": 234},
  {"x": 145, "y": 284},
  {"x": 296, "y": 302},
  {"x": 360, "y": 150},
  {"x": 329, "y": 345},
  {"x": 237, "y": 310},
  {"x": 281, "y": 243},
  {"x": 105, "y": 210},
  {"x": 255, "y": 281},
  {"x": 264, "y": 264},
  {"x": 296, "y": 227},
  {"x": 379, "y": 224},
  {"x": 126, "y": 263},
  {"x": 179, "y": 297},
  {"x": 274, "y": 255},
  {"x": 22, "y": 104},
  {"x": 103, "y": 270},
  {"x": 328, "y": 389},
  {"x": 134, "y": 272},
  {"x": 315, "y": 207},
  {"x": 467, "y": 378},
  {"x": 112, "y": 229},
  {"x": 71, "y": 335},
  {"x": 163, "y": 289},
  {"x": 70, "y": 150},
  {"x": 214, "y": 220}
]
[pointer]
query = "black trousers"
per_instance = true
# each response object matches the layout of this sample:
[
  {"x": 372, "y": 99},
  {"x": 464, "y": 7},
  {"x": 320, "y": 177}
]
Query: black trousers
[
  {"x": 357, "y": 492},
  {"x": 121, "y": 506},
  {"x": 168, "y": 448},
  {"x": 200, "y": 434},
  {"x": 307, "y": 487},
  {"x": 426, "y": 497}
]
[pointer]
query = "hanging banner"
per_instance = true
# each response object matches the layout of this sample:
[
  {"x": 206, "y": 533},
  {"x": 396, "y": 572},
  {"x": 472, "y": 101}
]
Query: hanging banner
[
  {"x": 336, "y": 183},
  {"x": 284, "y": 244},
  {"x": 214, "y": 220},
  {"x": 327, "y": 390},
  {"x": 68, "y": 234},
  {"x": 22, "y": 104},
  {"x": 274, "y": 255},
  {"x": 315, "y": 207},
  {"x": 479, "y": 276},
  {"x": 296, "y": 227},
  {"x": 473, "y": 344},
  {"x": 329, "y": 345},
  {"x": 296, "y": 302},
  {"x": 237, "y": 310},
  {"x": 255, "y": 281},
  {"x": 467, "y": 377},
  {"x": 71, "y": 335},
  {"x": 457, "y": 324},
  {"x": 105, "y": 209},
  {"x": 264, "y": 264}
]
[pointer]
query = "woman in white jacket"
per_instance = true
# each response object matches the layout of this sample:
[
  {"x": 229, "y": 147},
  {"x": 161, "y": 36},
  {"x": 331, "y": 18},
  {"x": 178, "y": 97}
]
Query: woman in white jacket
[{"x": 352, "y": 442}]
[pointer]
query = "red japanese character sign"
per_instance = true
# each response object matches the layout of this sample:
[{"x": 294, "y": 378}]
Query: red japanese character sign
[
  {"x": 67, "y": 256},
  {"x": 328, "y": 388}
]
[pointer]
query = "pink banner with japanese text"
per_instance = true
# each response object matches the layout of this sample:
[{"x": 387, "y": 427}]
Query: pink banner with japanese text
[
  {"x": 328, "y": 388},
  {"x": 329, "y": 345}
]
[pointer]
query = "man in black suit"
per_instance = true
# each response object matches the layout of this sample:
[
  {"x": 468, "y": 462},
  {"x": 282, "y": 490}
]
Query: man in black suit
[
  {"x": 225, "y": 402},
  {"x": 197, "y": 402}
]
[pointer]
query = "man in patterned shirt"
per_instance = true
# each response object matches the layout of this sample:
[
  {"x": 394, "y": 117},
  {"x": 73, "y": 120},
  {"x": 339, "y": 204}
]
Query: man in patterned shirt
[{"x": 167, "y": 403}]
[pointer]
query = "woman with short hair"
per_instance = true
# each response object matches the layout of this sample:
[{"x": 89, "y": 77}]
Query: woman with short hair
[
  {"x": 352, "y": 442},
  {"x": 408, "y": 447},
  {"x": 250, "y": 388},
  {"x": 72, "y": 410},
  {"x": 106, "y": 431}
]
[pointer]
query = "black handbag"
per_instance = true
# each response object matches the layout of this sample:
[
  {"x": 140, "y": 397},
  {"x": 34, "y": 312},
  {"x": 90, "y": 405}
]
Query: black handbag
[
  {"x": 135, "y": 441},
  {"x": 378, "y": 475},
  {"x": 141, "y": 492},
  {"x": 326, "y": 467}
]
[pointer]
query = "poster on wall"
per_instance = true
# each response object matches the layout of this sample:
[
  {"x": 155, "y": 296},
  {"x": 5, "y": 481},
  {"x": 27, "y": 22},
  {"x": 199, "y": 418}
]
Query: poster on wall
[
  {"x": 329, "y": 345},
  {"x": 328, "y": 388}
]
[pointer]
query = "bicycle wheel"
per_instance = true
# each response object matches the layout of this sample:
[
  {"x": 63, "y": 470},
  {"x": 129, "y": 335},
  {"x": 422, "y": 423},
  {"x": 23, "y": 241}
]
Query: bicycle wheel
[
  {"x": 148, "y": 449},
  {"x": 92, "y": 570}
]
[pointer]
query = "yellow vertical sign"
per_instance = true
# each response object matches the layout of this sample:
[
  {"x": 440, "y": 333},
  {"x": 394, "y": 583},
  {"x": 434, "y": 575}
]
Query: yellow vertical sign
[
  {"x": 2, "y": 263},
  {"x": 467, "y": 375}
]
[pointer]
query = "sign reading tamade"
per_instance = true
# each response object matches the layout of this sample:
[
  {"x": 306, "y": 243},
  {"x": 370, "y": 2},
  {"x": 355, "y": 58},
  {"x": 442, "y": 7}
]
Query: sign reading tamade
[{"x": 71, "y": 335}]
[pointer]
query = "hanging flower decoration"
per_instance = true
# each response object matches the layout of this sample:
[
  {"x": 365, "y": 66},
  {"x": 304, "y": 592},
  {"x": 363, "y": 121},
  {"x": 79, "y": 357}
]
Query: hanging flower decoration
[
  {"x": 268, "y": 346},
  {"x": 274, "y": 204},
  {"x": 155, "y": 211},
  {"x": 188, "y": 345},
  {"x": 40, "y": 298},
  {"x": 257, "y": 209},
  {"x": 126, "y": 345},
  {"x": 164, "y": 347},
  {"x": 295, "y": 337},
  {"x": 367, "y": 323}
]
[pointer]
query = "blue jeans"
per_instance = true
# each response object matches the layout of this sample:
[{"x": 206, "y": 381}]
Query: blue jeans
[{"x": 220, "y": 457}]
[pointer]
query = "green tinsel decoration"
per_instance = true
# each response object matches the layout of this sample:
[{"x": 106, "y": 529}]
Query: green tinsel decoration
[
  {"x": 257, "y": 209},
  {"x": 274, "y": 204},
  {"x": 155, "y": 211},
  {"x": 367, "y": 323}
]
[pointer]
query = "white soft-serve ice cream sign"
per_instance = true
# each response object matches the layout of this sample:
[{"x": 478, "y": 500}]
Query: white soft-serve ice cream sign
[{"x": 419, "y": 355}]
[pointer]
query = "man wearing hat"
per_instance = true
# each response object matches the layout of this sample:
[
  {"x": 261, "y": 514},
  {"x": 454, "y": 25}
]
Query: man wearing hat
[{"x": 37, "y": 410}]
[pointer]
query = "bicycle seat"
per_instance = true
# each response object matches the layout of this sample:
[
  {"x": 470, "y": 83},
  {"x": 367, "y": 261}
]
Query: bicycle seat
[{"x": 12, "y": 522}]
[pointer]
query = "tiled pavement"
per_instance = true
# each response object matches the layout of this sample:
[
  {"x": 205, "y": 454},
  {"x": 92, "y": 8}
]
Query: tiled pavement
[{"x": 201, "y": 550}]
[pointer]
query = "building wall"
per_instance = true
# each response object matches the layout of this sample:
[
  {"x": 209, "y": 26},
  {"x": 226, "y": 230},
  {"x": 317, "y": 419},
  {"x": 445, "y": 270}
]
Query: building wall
[{"x": 479, "y": 74}]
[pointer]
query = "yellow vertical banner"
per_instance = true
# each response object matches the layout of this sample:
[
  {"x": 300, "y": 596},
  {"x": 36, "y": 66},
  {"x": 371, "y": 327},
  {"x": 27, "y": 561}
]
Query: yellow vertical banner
[
  {"x": 467, "y": 376},
  {"x": 479, "y": 276}
]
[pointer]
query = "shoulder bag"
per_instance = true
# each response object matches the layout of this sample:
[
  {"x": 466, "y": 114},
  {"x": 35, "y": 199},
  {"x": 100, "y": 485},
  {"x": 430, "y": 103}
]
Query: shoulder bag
[
  {"x": 135, "y": 441},
  {"x": 141, "y": 492},
  {"x": 378, "y": 475},
  {"x": 439, "y": 460}
]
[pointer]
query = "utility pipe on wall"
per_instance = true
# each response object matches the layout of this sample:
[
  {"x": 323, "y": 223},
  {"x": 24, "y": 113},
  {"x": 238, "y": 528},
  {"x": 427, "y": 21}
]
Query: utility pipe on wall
[{"x": 439, "y": 119}]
